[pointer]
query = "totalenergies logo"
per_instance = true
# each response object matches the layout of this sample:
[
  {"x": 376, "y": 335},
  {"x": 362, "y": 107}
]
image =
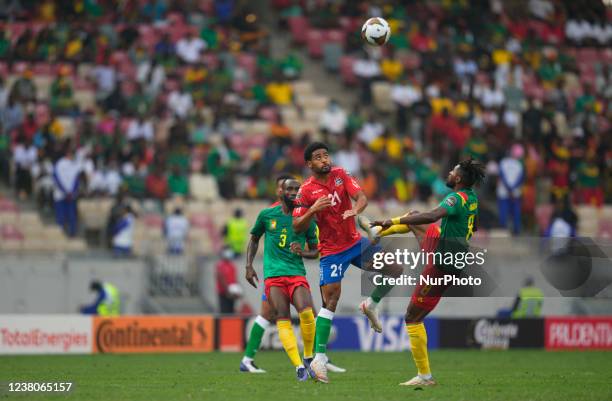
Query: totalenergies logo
[{"x": 154, "y": 334}]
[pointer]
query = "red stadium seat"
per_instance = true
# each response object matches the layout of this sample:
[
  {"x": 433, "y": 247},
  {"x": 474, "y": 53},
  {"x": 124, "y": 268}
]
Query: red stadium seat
[
  {"x": 605, "y": 229},
  {"x": 605, "y": 56},
  {"x": 346, "y": 70},
  {"x": 8, "y": 206},
  {"x": 587, "y": 55},
  {"x": 11, "y": 232},
  {"x": 335, "y": 35},
  {"x": 152, "y": 220},
  {"x": 315, "y": 38},
  {"x": 299, "y": 27},
  {"x": 44, "y": 69}
]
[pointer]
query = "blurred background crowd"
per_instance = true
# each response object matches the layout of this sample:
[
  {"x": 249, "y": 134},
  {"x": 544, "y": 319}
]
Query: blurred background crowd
[{"x": 164, "y": 100}]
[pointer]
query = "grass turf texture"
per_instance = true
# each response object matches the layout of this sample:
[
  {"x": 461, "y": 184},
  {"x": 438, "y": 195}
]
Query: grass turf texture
[{"x": 462, "y": 375}]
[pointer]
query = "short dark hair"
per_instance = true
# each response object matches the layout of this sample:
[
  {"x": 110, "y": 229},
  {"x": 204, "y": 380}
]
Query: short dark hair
[
  {"x": 472, "y": 172},
  {"x": 310, "y": 149},
  {"x": 283, "y": 177}
]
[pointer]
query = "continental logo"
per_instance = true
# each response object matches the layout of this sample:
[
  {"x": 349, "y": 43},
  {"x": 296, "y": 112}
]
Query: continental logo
[{"x": 154, "y": 334}]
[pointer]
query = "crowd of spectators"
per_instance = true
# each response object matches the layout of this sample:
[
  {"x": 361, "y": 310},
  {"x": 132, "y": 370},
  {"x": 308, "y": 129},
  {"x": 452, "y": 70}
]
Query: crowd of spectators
[
  {"x": 171, "y": 78},
  {"x": 525, "y": 86}
]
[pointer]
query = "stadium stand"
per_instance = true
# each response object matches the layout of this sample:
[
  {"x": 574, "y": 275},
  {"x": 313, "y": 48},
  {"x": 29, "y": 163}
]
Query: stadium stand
[{"x": 151, "y": 123}]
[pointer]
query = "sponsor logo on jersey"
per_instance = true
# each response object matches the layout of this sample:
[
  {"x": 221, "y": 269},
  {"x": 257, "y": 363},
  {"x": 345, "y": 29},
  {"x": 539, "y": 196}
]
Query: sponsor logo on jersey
[{"x": 451, "y": 201}]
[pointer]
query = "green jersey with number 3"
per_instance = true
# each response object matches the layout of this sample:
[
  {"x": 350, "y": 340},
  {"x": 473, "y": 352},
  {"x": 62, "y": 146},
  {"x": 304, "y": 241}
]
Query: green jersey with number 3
[
  {"x": 278, "y": 228},
  {"x": 458, "y": 225}
]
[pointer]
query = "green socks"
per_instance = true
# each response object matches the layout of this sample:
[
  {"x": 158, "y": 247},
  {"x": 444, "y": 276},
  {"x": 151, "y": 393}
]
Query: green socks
[
  {"x": 323, "y": 328},
  {"x": 255, "y": 336},
  {"x": 380, "y": 291}
]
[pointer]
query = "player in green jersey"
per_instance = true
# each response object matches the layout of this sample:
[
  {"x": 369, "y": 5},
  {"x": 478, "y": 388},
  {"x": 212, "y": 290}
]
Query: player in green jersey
[
  {"x": 284, "y": 273},
  {"x": 458, "y": 212}
]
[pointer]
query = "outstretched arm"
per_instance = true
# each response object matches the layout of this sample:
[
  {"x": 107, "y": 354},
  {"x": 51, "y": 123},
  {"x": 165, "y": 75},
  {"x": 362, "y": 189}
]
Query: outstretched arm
[{"x": 413, "y": 219}]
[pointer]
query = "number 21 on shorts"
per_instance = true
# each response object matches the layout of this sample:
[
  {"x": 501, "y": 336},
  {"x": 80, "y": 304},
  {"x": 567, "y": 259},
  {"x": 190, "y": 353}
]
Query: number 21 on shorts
[{"x": 336, "y": 270}]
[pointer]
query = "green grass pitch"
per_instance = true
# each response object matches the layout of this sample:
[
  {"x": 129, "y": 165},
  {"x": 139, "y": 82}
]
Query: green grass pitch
[{"x": 462, "y": 375}]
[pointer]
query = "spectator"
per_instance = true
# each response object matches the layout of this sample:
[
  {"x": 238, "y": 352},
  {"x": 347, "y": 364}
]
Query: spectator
[
  {"x": 404, "y": 95},
  {"x": 105, "y": 77},
  {"x": 156, "y": 184},
  {"x": 123, "y": 233},
  {"x": 228, "y": 288},
  {"x": 390, "y": 67},
  {"x": 222, "y": 162},
  {"x": 333, "y": 120},
  {"x": 236, "y": 232},
  {"x": 589, "y": 183},
  {"x": 511, "y": 177},
  {"x": 24, "y": 157},
  {"x": 190, "y": 48},
  {"x": 348, "y": 158},
  {"x": 164, "y": 50},
  {"x": 180, "y": 102},
  {"x": 23, "y": 89},
  {"x": 11, "y": 116},
  {"x": 105, "y": 180},
  {"x": 140, "y": 128},
  {"x": 178, "y": 184},
  {"x": 367, "y": 70},
  {"x": 279, "y": 92},
  {"x": 66, "y": 177},
  {"x": 176, "y": 231},
  {"x": 62, "y": 97},
  {"x": 562, "y": 227},
  {"x": 370, "y": 130}
]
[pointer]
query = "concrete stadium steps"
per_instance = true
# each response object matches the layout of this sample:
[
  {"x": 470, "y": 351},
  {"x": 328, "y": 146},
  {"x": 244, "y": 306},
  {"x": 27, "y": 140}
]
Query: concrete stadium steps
[{"x": 24, "y": 231}]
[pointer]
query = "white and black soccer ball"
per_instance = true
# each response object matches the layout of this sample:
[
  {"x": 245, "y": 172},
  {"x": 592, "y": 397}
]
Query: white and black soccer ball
[{"x": 376, "y": 31}]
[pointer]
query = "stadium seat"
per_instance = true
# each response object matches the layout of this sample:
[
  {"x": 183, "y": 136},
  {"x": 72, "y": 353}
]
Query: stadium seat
[
  {"x": 605, "y": 229},
  {"x": 303, "y": 88},
  {"x": 332, "y": 52},
  {"x": 203, "y": 187},
  {"x": 381, "y": 91},
  {"x": 335, "y": 36},
  {"x": 346, "y": 70},
  {"x": 299, "y": 27},
  {"x": 10, "y": 232},
  {"x": 314, "y": 42}
]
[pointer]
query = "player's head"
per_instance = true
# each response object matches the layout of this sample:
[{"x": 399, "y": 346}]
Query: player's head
[
  {"x": 279, "y": 183},
  {"x": 317, "y": 158},
  {"x": 95, "y": 285},
  {"x": 466, "y": 174},
  {"x": 290, "y": 188}
]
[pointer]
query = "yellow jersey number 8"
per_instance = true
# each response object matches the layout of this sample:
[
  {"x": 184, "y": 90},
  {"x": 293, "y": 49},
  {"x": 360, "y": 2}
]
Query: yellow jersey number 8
[{"x": 470, "y": 226}]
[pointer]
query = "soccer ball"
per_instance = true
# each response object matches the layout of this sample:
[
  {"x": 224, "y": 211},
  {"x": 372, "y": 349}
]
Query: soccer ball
[{"x": 376, "y": 31}]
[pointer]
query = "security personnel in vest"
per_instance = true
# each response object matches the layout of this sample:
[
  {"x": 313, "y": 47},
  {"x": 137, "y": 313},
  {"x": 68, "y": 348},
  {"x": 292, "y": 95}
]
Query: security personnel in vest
[
  {"x": 236, "y": 232},
  {"x": 529, "y": 301},
  {"x": 107, "y": 303}
]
